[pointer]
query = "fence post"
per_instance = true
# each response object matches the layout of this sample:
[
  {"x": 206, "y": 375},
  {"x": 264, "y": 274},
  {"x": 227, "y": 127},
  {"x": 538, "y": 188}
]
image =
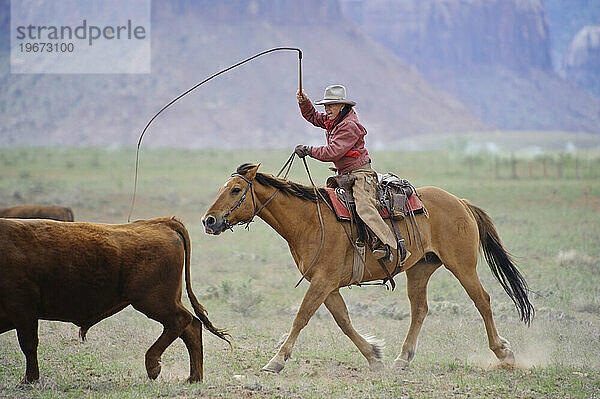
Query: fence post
[
  {"x": 514, "y": 165},
  {"x": 559, "y": 166}
]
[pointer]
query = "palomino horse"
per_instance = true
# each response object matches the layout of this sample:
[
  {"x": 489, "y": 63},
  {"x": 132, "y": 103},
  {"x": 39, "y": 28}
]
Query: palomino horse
[{"x": 451, "y": 235}]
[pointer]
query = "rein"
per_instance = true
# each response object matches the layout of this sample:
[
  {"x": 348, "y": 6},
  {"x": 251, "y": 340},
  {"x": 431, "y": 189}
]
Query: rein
[
  {"x": 320, "y": 221},
  {"x": 350, "y": 240}
]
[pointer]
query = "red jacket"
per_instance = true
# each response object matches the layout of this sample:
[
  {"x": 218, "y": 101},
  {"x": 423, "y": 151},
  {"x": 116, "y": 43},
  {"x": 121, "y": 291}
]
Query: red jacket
[{"x": 347, "y": 136}]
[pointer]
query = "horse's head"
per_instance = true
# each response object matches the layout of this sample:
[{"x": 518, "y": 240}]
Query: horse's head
[{"x": 234, "y": 203}]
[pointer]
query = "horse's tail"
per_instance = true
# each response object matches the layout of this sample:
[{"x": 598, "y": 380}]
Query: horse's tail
[
  {"x": 502, "y": 264},
  {"x": 202, "y": 314}
]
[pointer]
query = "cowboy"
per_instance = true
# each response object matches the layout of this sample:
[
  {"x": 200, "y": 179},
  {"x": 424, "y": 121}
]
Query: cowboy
[{"x": 346, "y": 149}]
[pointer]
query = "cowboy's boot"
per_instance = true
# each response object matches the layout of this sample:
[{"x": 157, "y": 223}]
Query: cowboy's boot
[
  {"x": 385, "y": 253},
  {"x": 382, "y": 251}
]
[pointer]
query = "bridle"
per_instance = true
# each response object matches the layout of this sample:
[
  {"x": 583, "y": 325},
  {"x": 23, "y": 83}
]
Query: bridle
[
  {"x": 250, "y": 188},
  {"x": 287, "y": 164}
]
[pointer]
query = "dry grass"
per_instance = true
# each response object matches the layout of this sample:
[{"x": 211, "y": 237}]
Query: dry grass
[{"x": 558, "y": 356}]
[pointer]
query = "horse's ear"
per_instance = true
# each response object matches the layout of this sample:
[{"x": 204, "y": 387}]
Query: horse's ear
[{"x": 252, "y": 172}]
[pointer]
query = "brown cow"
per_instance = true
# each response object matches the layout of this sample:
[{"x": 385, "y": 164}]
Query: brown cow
[
  {"x": 61, "y": 213},
  {"x": 84, "y": 272}
]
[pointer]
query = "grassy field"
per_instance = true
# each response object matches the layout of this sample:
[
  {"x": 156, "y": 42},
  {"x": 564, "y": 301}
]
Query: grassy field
[{"x": 245, "y": 279}]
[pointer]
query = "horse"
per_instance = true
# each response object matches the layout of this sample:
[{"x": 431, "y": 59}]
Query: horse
[{"x": 451, "y": 233}]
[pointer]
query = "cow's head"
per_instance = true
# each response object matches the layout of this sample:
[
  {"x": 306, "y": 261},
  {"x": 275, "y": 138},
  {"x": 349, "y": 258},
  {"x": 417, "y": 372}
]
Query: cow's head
[{"x": 235, "y": 202}]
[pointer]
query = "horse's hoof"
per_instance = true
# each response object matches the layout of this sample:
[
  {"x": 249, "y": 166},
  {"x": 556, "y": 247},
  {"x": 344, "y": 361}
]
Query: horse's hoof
[
  {"x": 401, "y": 363},
  {"x": 509, "y": 361},
  {"x": 376, "y": 365},
  {"x": 505, "y": 366},
  {"x": 154, "y": 371},
  {"x": 272, "y": 367}
]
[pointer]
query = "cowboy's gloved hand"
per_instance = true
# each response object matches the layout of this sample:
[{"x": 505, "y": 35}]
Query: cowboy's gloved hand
[
  {"x": 301, "y": 96},
  {"x": 303, "y": 150}
]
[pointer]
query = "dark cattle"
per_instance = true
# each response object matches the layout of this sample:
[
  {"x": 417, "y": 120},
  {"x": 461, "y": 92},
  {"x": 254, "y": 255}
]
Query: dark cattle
[
  {"x": 84, "y": 272},
  {"x": 54, "y": 212}
]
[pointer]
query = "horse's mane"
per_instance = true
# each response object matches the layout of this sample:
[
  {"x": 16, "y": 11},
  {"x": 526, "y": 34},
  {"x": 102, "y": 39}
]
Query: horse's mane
[{"x": 297, "y": 190}]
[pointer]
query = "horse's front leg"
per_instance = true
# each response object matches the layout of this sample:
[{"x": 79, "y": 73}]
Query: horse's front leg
[
  {"x": 369, "y": 347},
  {"x": 318, "y": 290}
]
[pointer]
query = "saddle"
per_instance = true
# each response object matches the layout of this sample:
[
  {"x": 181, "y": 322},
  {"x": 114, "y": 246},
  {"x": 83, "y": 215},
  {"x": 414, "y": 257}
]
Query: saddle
[{"x": 396, "y": 199}]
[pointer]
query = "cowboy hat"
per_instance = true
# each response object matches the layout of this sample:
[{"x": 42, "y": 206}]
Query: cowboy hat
[{"x": 335, "y": 94}]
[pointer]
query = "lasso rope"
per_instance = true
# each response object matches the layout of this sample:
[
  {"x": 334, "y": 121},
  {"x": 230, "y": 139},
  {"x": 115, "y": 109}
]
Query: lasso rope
[{"x": 137, "y": 153}]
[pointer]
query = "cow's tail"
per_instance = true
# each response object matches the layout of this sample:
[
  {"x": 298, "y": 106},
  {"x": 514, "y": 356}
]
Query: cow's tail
[
  {"x": 501, "y": 263},
  {"x": 202, "y": 314}
]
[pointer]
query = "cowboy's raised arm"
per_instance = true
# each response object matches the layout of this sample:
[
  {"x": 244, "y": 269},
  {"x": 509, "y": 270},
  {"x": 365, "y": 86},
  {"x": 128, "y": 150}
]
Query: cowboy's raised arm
[{"x": 309, "y": 112}]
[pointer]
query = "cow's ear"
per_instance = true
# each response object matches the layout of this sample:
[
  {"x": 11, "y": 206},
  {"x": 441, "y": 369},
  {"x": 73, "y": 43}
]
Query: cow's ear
[{"x": 252, "y": 172}]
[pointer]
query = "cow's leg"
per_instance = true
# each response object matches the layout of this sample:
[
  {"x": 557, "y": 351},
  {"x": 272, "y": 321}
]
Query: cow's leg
[
  {"x": 192, "y": 337},
  {"x": 370, "y": 350},
  {"x": 174, "y": 319},
  {"x": 27, "y": 333},
  {"x": 318, "y": 290},
  {"x": 417, "y": 278}
]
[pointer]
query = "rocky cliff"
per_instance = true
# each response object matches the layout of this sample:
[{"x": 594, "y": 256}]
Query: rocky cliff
[
  {"x": 565, "y": 19},
  {"x": 493, "y": 55},
  {"x": 582, "y": 60},
  {"x": 458, "y": 34}
]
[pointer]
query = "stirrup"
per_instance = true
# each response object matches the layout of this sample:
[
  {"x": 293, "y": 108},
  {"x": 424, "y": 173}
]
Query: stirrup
[{"x": 383, "y": 253}]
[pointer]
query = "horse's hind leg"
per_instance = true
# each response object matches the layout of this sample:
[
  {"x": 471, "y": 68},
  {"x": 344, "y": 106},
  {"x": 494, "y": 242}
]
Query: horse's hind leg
[
  {"x": 370, "y": 350},
  {"x": 417, "y": 278},
  {"x": 192, "y": 337},
  {"x": 467, "y": 275}
]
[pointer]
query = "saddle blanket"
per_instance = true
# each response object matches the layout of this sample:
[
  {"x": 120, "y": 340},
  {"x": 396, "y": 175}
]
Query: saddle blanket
[{"x": 342, "y": 213}]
